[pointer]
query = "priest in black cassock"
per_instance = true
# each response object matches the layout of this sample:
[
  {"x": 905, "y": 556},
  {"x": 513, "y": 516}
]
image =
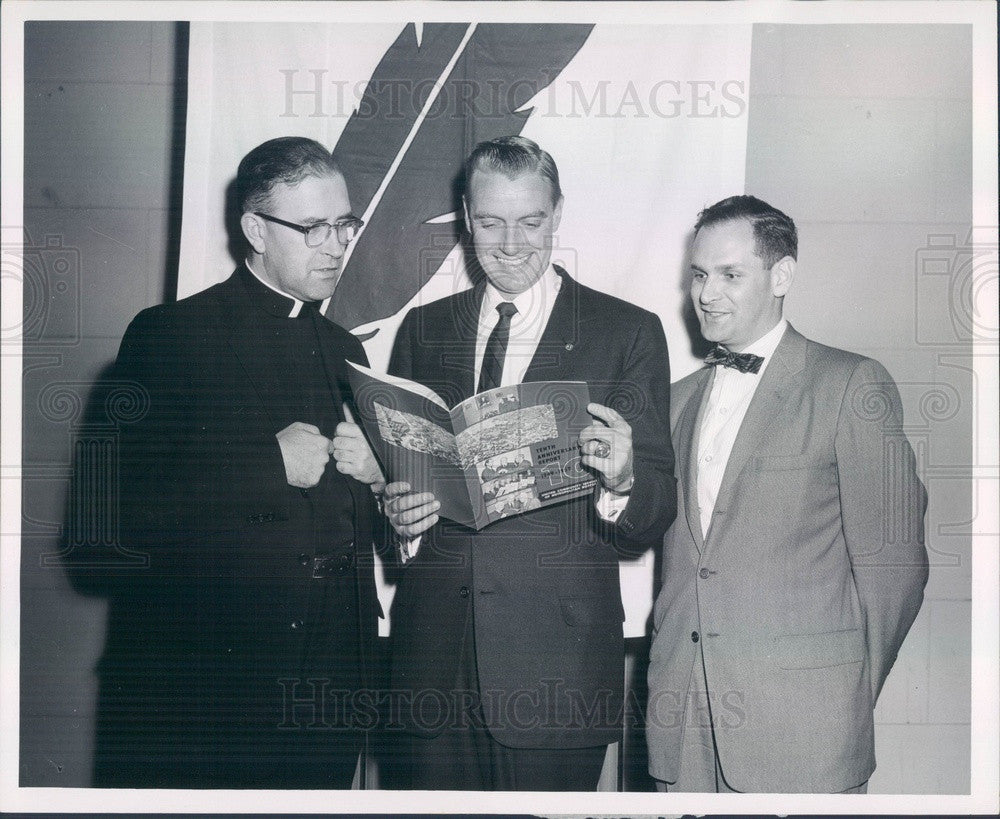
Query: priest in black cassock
[{"x": 237, "y": 656}]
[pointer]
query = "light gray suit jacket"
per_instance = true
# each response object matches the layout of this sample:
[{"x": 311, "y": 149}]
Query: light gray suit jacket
[{"x": 802, "y": 590}]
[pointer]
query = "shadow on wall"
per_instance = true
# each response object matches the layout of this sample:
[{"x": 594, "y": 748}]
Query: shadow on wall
[{"x": 96, "y": 561}]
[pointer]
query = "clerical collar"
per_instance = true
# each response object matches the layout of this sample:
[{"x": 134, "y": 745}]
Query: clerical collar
[
  {"x": 283, "y": 308},
  {"x": 533, "y": 303}
]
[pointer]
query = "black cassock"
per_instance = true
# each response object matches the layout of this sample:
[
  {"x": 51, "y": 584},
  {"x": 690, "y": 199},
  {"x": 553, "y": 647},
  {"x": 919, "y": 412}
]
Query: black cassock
[{"x": 237, "y": 654}]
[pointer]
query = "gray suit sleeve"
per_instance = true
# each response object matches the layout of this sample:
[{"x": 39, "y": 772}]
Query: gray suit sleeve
[{"x": 882, "y": 511}]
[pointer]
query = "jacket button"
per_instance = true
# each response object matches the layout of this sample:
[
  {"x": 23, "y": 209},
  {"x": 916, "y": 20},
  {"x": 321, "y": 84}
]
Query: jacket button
[
  {"x": 297, "y": 624},
  {"x": 304, "y": 559},
  {"x": 694, "y": 636},
  {"x": 464, "y": 591},
  {"x": 703, "y": 574}
]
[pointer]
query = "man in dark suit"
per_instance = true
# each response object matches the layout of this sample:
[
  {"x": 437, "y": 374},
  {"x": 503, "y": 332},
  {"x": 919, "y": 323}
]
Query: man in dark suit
[
  {"x": 507, "y": 642},
  {"x": 797, "y": 563},
  {"x": 235, "y": 657}
]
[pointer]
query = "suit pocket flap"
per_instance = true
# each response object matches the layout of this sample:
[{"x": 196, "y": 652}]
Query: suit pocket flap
[
  {"x": 788, "y": 463},
  {"x": 820, "y": 650}
]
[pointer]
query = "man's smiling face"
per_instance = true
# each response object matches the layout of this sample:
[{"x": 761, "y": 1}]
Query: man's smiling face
[
  {"x": 511, "y": 221},
  {"x": 737, "y": 299}
]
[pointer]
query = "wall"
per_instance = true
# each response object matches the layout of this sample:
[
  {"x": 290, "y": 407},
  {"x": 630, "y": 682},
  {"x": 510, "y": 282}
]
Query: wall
[{"x": 863, "y": 136}]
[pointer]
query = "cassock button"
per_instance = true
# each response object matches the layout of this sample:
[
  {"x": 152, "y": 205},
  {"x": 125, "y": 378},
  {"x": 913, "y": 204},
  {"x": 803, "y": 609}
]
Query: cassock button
[
  {"x": 694, "y": 636},
  {"x": 464, "y": 591}
]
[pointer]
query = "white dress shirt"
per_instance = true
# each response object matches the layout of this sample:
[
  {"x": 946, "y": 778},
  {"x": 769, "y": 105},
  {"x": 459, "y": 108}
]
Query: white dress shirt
[
  {"x": 534, "y": 307},
  {"x": 731, "y": 394}
]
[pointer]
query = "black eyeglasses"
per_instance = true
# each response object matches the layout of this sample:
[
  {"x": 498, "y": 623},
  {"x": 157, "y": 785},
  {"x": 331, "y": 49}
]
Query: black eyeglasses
[{"x": 347, "y": 229}]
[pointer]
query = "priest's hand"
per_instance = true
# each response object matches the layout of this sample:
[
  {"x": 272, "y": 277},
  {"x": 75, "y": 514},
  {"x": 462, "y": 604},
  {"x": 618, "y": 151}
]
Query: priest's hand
[
  {"x": 305, "y": 453},
  {"x": 354, "y": 457}
]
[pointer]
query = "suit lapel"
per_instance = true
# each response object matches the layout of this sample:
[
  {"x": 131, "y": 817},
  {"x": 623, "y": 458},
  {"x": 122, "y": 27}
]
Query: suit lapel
[
  {"x": 686, "y": 437},
  {"x": 459, "y": 362},
  {"x": 561, "y": 331},
  {"x": 781, "y": 379}
]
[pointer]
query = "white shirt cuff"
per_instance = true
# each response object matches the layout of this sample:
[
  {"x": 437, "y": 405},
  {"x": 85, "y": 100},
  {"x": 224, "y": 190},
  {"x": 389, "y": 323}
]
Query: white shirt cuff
[
  {"x": 408, "y": 547},
  {"x": 610, "y": 504}
]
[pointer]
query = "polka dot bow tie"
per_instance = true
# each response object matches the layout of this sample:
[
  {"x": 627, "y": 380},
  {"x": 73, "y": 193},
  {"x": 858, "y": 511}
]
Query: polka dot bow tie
[{"x": 744, "y": 362}]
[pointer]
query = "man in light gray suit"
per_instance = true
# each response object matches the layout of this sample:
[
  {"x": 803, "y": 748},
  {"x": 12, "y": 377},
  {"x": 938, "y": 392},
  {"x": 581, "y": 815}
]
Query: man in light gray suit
[{"x": 796, "y": 563}]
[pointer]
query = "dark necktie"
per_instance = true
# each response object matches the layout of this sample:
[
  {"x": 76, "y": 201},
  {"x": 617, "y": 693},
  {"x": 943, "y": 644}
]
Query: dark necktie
[
  {"x": 744, "y": 362},
  {"x": 496, "y": 348}
]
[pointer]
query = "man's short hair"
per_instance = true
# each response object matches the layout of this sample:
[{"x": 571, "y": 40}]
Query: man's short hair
[
  {"x": 513, "y": 156},
  {"x": 285, "y": 160},
  {"x": 774, "y": 233}
]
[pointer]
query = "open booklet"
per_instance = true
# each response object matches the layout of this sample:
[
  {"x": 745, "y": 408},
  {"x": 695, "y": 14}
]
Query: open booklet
[{"x": 499, "y": 453}]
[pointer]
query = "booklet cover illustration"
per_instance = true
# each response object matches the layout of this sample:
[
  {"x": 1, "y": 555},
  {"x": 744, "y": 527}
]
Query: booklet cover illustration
[{"x": 499, "y": 453}]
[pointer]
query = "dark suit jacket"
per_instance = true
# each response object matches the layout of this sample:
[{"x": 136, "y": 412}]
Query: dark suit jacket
[
  {"x": 542, "y": 587},
  {"x": 206, "y": 642},
  {"x": 806, "y": 583}
]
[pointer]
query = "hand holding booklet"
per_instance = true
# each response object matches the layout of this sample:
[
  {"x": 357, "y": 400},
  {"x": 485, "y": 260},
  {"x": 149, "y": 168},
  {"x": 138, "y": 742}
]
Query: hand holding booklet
[{"x": 499, "y": 453}]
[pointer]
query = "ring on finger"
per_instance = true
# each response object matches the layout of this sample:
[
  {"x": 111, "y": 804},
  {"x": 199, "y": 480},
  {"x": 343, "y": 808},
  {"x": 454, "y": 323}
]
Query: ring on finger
[{"x": 602, "y": 450}]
